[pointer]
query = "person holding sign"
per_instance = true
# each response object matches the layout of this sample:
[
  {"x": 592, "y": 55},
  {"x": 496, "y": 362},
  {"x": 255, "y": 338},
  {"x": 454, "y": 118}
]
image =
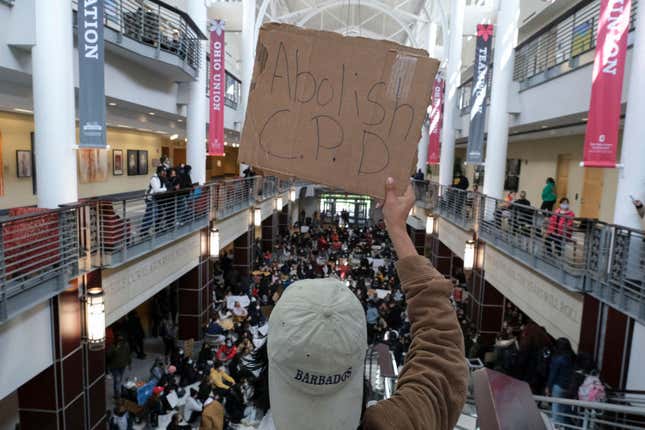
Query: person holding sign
[{"x": 317, "y": 343}]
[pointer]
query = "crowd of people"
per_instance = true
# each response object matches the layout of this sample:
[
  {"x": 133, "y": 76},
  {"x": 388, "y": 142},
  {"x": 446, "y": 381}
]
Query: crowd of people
[{"x": 225, "y": 382}]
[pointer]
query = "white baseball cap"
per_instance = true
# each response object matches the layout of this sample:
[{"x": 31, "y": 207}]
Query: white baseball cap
[{"x": 316, "y": 345}]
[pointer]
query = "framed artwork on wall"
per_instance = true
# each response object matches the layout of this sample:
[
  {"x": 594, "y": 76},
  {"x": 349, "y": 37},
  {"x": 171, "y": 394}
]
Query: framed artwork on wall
[
  {"x": 23, "y": 163},
  {"x": 133, "y": 162},
  {"x": 143, "y": 162},
  {"x": 117, "y": 162},
  {"x": 92, "y": 165}
]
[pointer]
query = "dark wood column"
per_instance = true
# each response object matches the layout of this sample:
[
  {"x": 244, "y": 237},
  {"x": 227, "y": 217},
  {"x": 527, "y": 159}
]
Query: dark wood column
[
  {"x": 243, "y": 252},
  {"x": 69, "y": 394},
  {"x": 195, "y": 296}
]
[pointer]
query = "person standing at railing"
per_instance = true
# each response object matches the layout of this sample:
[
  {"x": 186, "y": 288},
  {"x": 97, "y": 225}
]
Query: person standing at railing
[
  {"x": 157, "y": 185},
  {"x": 560, "y": 373},
  {"x": 548, "y": 195},
  {"x": 640, "y": 208},
  {"x": 560, "y": 227}
]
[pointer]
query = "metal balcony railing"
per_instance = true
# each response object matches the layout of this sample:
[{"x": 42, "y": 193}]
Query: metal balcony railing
[
  {"x": 156, "y": 24},
  {"x": 42, "y": 250},
  {"x": 581, "y": 254},
  {"x": 576, "y": 414},
  {"x": 458, "y": 206},
  {"x": 38, "y": 254},
  {"x": 616, "y": 267},
  {"x": 233, "y": 196},
  {"x": 133, "y": 224},
  {"x": 554, "y": 245},
  {"x": 561, "y": 43}
]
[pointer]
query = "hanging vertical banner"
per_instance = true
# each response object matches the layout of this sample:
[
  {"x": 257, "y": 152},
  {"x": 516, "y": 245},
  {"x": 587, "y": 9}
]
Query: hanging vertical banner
[
  {"x": 475, "y": 151},
  {"x": 91, "y": 74},
  {"x": 434, "y": 130},
  {"x": 601, "y": 137},
  {"x": 217, "y": 89}
]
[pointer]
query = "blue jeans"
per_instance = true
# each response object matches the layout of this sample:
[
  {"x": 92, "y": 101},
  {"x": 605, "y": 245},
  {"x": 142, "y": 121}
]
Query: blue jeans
[
  {"x": 117, "y": 379},
  {"x": 557, "y": 410}
]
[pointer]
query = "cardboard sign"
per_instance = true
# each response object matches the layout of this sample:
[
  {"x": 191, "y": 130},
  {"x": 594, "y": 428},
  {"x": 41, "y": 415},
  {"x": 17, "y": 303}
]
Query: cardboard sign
[{"x": 341, "y": 111}]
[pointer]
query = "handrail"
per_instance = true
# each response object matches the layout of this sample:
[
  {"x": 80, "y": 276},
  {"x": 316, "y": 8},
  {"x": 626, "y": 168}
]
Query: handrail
[{"x": 599, "y": 406}]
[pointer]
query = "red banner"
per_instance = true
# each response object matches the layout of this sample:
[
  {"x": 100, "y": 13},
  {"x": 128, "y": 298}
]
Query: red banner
[
  {"x": 601, "y": 138},
  {"x": 217, "y": 89},
  {"x": 434, "y": 130}
]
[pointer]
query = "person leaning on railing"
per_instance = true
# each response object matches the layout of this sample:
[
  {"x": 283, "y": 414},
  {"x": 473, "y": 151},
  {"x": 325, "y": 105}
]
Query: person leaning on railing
[{"x": 640, "y": 208}]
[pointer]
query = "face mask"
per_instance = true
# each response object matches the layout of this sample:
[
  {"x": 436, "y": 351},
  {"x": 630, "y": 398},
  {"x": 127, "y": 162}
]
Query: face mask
[{"x": 564, "y": 206}]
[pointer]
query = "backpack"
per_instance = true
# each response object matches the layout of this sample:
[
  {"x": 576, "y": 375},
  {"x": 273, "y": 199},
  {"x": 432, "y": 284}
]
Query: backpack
[{"x": 592, "y": 390}]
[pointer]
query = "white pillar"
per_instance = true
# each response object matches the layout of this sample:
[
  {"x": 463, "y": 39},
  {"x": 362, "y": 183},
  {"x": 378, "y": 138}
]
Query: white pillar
[
  {"x": 54, "y": 112},
  {"x": 248, "y": 48},
  {"x": 631, "y": 177},
  {"x": 197, "y": 104},
  {"x": 432, "y": 39},
  {"x": 504, "y": 53},
  {"x": 453, "y": 78},
  {"x": 422, "y": 160},
  {"x": 248, "y": 55}
]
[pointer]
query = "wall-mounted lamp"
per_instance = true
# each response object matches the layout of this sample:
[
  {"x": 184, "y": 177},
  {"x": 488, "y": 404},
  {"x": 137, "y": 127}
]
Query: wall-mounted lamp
[
  {"x": 278, "y": 203},
  {"x": 214, "y": 242},
  {"x": 257, "y": 217},
  {"x": 95, "y": 318},
  {"x": 292, "y": 195},
  {"x": 431, "y": 224},
  {"x": 469, "y": 255}
]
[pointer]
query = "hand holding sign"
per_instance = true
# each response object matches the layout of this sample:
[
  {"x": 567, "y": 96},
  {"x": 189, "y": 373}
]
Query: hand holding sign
[{"x": 341, "y": 111}]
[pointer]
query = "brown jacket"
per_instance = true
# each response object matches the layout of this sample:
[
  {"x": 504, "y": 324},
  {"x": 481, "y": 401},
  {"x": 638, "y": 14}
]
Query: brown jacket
[
  {"x": 212, "y": 417},
  {"x": 432, "y": 386}
]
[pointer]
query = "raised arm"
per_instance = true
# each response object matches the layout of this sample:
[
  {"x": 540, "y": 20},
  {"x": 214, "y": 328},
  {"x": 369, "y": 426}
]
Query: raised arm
[{"x": 432, "y": 386}]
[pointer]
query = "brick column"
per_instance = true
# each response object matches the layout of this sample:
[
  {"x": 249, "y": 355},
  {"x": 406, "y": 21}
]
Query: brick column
[
  {"x": 441, "y": 256},
  {"x": 243, "y": 252},
  {"x": 69, "y": 394},
  {"x": 195, "y": 296},
  {"x": 283, "y": 221},
  {"x": 269, "y": 232},
  {"x": 486, "y": 306}
]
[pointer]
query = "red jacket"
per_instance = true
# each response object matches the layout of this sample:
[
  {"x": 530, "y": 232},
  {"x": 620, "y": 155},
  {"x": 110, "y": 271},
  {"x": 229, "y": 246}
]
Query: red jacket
[
  {"x": 225, "y": 353},
  {"x": 561, "y": 223}
]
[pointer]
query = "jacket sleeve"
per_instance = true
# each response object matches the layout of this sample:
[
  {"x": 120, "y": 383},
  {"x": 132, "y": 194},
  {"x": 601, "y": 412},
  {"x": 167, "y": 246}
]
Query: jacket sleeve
[{"x": 432, "y": 386}]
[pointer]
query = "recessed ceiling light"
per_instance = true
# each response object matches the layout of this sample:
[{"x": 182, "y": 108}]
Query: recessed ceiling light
[
  {"x": 23, "y": 110},
  {"x": 545, "y": 126},
  {"x": 151, "y": 113},
  {"x": 112, "y": 104},
  {"x": 180, "y": 120},
  {"x": 584, "y": 119},
  {"x": 185, "y": 139},
  {"x": 174, "y": 136}
]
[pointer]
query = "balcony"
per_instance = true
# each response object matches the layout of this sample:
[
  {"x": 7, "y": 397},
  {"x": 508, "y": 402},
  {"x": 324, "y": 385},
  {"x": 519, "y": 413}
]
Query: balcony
[
  {"x": 580, "y": 254},
  {"x": 154, "y": 35},
  {"x": 42, "y": 250},
  {"x": 564, "y": 45}
]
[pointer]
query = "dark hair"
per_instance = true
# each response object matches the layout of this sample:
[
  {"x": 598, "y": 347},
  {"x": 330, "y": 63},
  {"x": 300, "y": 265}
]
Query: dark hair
[
  {"x": 563, "y": 347},
  {"x": 160, "y": 169},
  {"x": 564, "y": 199},
  {"x": 550, "y": 180}
]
